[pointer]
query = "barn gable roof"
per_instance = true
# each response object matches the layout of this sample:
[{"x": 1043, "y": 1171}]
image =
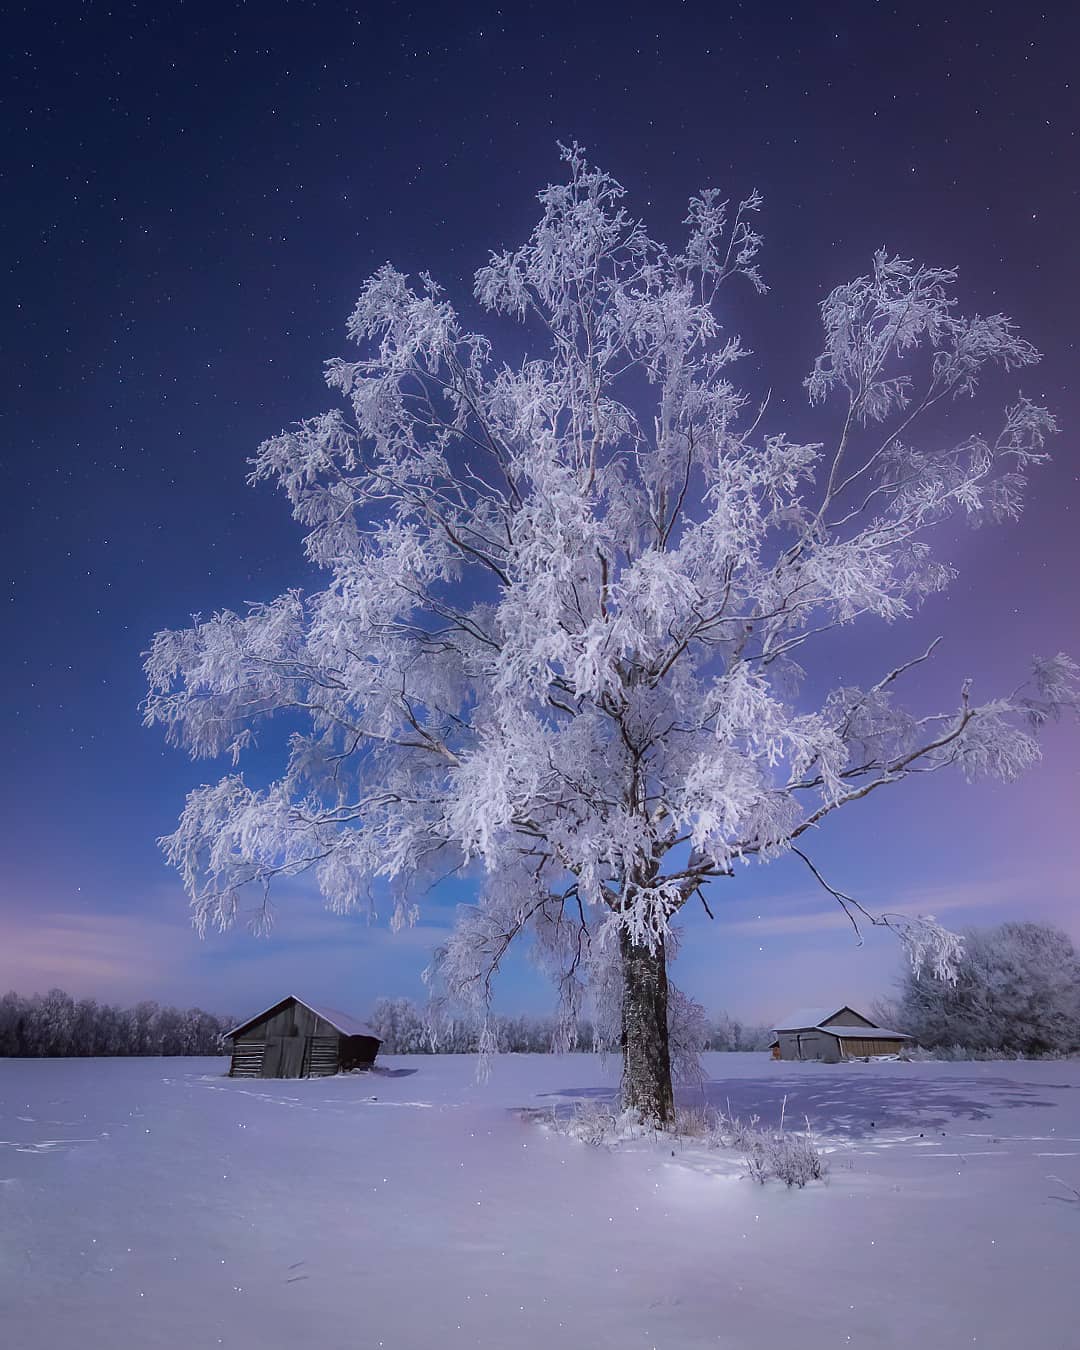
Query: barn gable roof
[
  {"x": 343, "y": 1022},
  {"x": 814, "y": 1019},
  {"x": 808, "y": 1019}
]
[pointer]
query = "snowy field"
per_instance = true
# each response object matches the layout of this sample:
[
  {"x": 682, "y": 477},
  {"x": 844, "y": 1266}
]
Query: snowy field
[{"x": 155, "y": 1203}]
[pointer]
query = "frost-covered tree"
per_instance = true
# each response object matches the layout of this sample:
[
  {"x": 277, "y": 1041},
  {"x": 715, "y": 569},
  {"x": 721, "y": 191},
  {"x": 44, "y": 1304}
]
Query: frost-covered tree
[
  {"x": 567, "y": 595},
  {"x": 401, "y": 1026},
  {"x": 728, "y": 1033},
  {"x": 406, "y": 1029},
  {"x": 1017, "y": 989}
]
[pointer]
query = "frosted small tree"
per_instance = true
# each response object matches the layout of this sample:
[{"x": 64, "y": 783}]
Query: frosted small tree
[
  {"x": 567, "y": 595},
  {"x": 1017, "y": 990},
  {"x": 401, "y": 1025}
]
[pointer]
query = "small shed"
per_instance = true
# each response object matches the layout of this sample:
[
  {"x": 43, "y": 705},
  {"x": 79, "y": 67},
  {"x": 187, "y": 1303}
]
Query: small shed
[
  {"x": 295, "y": 1039},
  {"x": 833, "y": 1034}
]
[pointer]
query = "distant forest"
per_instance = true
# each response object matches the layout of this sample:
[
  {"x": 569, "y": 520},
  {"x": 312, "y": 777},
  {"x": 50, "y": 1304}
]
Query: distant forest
[
  {"x": 54, "y": 1024},
  {"x": 405, "y": 1030}
]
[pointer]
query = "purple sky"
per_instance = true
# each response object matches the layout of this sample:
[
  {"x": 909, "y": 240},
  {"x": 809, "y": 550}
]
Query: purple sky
[{"x": 197, "y": 198}]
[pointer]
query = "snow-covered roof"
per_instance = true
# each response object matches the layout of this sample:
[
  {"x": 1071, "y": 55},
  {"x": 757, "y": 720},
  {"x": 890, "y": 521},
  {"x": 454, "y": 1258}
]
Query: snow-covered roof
[
  {"x": 343, "y": 1022},
  {"x": 803, "y": 1019},
  {"x": 814, "y": 1019},
  {"x": 869, "y": 1033}
]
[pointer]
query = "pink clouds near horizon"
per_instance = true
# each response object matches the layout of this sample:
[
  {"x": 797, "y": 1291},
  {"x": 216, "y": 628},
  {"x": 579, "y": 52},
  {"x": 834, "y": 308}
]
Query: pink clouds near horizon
[{"x": 760, "y": 954}]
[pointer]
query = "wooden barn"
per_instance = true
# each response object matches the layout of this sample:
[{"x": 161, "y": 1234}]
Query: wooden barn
[
  {"x": 833, "y": 1034},
  {"x": 294, "y": 1039}
]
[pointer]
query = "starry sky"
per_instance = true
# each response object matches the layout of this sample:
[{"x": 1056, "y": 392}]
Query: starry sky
[{"x": 193, "y": 194}]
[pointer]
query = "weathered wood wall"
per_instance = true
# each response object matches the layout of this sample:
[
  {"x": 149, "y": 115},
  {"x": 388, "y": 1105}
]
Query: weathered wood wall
[
  {"x": 808, "y": 1045},
  {"x": 292, "y": 1020},
  {"x": 854, "y": 1047},
  {"x": 291, "y": 1041},
  {"x": 358, "y": 1052},
  {"x": 296, "y": 1043}
]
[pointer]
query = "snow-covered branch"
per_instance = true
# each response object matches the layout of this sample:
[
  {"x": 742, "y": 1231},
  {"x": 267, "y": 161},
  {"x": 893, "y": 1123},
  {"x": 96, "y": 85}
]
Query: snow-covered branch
[{"x": 556, "y": 643}]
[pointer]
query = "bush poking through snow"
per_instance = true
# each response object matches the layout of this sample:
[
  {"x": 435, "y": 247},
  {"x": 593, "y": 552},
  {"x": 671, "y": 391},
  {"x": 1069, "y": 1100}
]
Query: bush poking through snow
[
  {"x": 959, "y": 1054},
  {"x": 791, "y": 1158},
  {"x": 769, "y": 1154},
  {"x": 593, "y": 1123},
  {"x": 719, "y": 1129}
]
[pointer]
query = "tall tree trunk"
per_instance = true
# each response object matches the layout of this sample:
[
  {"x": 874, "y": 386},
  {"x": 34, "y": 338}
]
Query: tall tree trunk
[{"x": 646, "y": 1079}]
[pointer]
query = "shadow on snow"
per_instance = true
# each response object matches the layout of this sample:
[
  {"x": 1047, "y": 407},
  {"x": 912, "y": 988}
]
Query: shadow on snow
[{"x": 848, "y": 1105}]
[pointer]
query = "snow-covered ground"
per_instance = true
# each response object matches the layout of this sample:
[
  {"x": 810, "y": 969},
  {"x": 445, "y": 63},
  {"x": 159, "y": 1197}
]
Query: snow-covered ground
[{"x": 155, "y": 1203}]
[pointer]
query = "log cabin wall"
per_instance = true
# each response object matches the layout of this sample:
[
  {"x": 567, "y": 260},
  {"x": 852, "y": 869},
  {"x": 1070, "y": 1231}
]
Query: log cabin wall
[{"x": 289, "y": 1042}]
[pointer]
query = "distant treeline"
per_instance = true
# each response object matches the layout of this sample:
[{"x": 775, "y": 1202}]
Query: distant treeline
[
  {"x": 55, "y": 1024},
  {"x": 406, "y": 1030}
]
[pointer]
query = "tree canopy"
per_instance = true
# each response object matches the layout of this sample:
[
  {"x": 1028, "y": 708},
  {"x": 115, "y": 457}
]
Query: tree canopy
[{"x": 567, "y": 598}]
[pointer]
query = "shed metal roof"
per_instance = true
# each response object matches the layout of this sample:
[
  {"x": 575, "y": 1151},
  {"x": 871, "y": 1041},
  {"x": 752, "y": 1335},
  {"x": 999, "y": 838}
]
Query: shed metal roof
[
  {"x": 813, "y": 1019},
  {"x": 864, "y": 1033},
  {"x": 806, "y": 1019},
  {"x": 343, "y": 1022}
]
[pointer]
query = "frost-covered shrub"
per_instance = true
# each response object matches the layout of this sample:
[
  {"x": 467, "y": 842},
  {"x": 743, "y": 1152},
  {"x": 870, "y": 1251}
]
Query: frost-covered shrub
[
  {"x": 791, "y": 1158},
  {"x": 742, "y": 1135},
  {"x": 769, "y": 1154},
  {"x": 695, "y": 1122},
  {"x": 595, "y": 1123},
  {"x": 729, "y": 1131},
  {"x": 958, "y": 1054}
]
